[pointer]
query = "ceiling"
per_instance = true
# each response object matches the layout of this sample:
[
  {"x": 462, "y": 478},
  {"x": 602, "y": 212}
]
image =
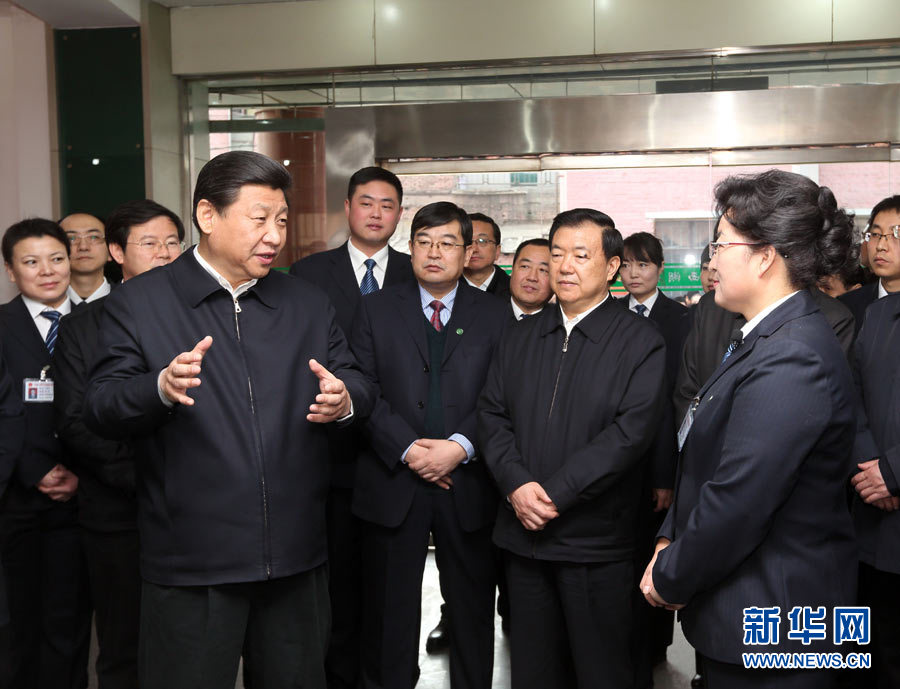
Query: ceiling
[{"x": 207, "y": 3}]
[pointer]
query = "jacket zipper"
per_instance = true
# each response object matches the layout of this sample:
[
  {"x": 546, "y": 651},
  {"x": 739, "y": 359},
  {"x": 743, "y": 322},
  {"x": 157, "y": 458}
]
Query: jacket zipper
[
  {"x": 257, "y": 437},
  {"x": 565, "y": 348}
]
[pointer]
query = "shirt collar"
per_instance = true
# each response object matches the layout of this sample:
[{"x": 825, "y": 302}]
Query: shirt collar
[
  {"x": 648, "y": 302},
  {"x": 35, "y": 308},
  {"x": 518, "y": 313},
  {"x": 569, "y": 323},
  {"x": 882, "y": 292},
  {"x": 747, "y": 328},
  {"x": 237, "y": 291},
  {"x": 103, "y": 290},
  {"x": 447, "y": 300},
  {"x": 358, "y": 258},
  {"x": 484, "y": 285}
]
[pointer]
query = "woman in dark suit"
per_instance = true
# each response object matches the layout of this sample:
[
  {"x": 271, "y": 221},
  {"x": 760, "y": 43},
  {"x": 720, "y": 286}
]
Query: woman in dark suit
[{"x": 760, "y": 519}]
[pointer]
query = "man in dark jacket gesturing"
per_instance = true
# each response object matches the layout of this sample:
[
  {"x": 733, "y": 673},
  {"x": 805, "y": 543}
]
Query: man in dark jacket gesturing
[
  {"x": 571, "y": 403},
  {"x": 232, "y": 473}
]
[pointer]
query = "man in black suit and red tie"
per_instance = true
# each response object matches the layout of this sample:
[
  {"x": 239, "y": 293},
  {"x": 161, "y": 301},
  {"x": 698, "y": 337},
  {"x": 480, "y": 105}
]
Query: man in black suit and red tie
[
  {"x": 427, "y": 345},
  {"x": 361, "y": 265}
]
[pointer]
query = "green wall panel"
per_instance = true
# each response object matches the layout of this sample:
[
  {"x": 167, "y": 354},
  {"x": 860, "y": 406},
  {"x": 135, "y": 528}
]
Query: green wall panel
[{"x": 100, "y": 112}]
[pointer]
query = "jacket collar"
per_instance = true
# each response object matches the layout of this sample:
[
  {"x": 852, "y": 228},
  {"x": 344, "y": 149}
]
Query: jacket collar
[
  {"x": 195, "y": 284},
  {"x": 593, "y": 325},
  {"x": 801, "y": 304}
]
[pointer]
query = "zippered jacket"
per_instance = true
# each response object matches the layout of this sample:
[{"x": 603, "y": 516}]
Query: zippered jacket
[
  {"x": 232, "y": 488},
  {"x": 576, "y": 414}
]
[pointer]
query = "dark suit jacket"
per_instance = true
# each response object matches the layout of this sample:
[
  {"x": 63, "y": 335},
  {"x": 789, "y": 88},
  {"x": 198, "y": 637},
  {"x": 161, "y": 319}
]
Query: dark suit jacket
[
  {"x": 710, "y": 331},
  {"x": 231, "y": 488},
  {"x": 672, "y": 320},
  {"x": 760, "y": 514},
  {"x": 106, "y": 488},
  {"x": 12, "y": 423},
  {"x": 858, "y": 301},
  {"x": 576, "y": 414},
  {"x": 389, "y": 341},
  {"x": 332, "y": 272},
  {"x": 499, "y": 286},
  {"x": 26, "y": 355},
  {"x": 876, "y": 372}
]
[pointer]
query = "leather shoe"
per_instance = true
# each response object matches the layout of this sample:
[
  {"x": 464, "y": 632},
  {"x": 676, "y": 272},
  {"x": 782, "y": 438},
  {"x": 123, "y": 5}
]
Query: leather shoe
[
  {"x": 439, "y": 639},
  {"x": 697, "y": 682}
]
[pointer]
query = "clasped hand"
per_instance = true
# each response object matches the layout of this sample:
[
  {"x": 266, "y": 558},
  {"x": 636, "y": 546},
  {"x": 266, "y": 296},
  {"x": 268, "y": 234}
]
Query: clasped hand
[{"x": 433, "y": 459}]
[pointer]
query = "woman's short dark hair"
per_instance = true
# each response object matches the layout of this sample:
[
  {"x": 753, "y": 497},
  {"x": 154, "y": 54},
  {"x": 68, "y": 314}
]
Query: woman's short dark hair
[
  {"x": 643, "y": 246},
  {"x": 793, "y": 214},
  {"x": 126, "y": 215},
  {"x": 31, "y": 227},
  {"x": 221, "y": 179},
  {"x": 374, "y": 174},
  {"x": 481, "y": 217},
  {"x": 441, "y": 213}
]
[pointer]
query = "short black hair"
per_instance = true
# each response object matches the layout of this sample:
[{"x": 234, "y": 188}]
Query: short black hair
[
  {"x": 529, "y": 242},
  {"x": 891, "y": 203},
  {"x": 31, "y": 227},
  {"x": 441, "y": 213},
  {"x": 490, "y": 221},
  {"x": 704, "y": 257},
  {"x": 126, "y": 215},
  {"x": 374, "y": 174},
  {"x": 643, "y": 246},
  {"x": 793, "y": 214},
  {"x": 613, "y": 244},
  {"x": 221, "y": 179}
]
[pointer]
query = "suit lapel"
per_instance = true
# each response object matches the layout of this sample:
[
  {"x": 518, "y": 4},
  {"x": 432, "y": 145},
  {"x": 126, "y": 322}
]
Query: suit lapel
[
  {"x": 394, "y": 273},
  {"x": 25, "y": 331},
  {"x": 460, "y": 319},
  {"x": 344, "y": 276},
  {"x": 413, "y": 317}
]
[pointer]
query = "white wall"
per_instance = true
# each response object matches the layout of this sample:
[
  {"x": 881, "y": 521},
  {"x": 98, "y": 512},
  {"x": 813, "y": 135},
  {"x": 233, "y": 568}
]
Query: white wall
[
  {"x": 26, "y": 98},
  {"x": 322, "y": 34}
]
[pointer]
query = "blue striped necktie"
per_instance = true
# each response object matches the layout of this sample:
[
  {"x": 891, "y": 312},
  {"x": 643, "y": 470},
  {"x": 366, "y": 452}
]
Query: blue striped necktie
[
  {"x": 50, "y": 340},
  {"x": 369, "y": 284},
  {"x": 737, "y": 338},
  {"x": 640, "y": 309}
]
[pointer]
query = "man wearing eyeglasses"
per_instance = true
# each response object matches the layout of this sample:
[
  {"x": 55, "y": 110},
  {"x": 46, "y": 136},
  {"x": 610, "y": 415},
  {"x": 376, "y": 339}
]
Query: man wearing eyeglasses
[
  {"x": 142, "y": 235},
  {"x": 480, "y": 271},
  {"x": 427, "y": 345},
  {"x": 881, "y": 249},
  {"x": 88, "y": 257}
]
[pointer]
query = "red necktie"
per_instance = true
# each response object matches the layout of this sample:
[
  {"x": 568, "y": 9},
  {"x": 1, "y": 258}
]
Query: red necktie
[{"x": 436, "y": 316}]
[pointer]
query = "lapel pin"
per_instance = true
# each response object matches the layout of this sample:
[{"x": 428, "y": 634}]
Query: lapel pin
[{"x": 459, "y": 331}]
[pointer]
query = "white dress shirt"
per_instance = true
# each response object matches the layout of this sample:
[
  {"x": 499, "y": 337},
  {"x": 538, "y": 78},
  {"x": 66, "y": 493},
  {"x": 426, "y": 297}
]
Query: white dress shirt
[
  {"x": 757, "y": 319},
  {"x": 101, "y": 291},
  {"x": 484, "y": 285},
  {"x": 35, "y": 308},
  {"x": 569, "y": 323},
  {"x": 358, "y": 261},
  {"x": 648, "y": 302},
  {"x": 518, "y": 313}
]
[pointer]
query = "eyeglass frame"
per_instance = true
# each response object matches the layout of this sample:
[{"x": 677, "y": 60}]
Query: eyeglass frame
[
  {"x": 868, "y": 234},
  {"x": 443, "y": 245},
  {"x": 144, "y": 244},
  {"x": 484, "y": 240},
  {"x": 715, "y": 246},
  {"x": 92, "y": 239}
]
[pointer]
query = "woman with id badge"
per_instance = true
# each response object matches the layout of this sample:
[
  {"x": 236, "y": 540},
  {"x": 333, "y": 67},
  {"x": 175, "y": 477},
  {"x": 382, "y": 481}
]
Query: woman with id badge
[
  {"x": 39, "y": 539},
  {"x": 758, "y": 548}
]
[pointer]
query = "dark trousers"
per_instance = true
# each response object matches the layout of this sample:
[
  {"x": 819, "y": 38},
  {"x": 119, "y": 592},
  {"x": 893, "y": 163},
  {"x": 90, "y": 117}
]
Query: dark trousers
[
  {"x": 115, "y": 578},
  {"x": 719, "y": 675},
  {"x": 394, "y": 562},
  {"x": 49, "y": 604},
  {"x": 191, "y": 637},
  {"x": 345, "y": 589},
  {"x": 880, "y": 591},
  {"x": 570, "y": 624}
]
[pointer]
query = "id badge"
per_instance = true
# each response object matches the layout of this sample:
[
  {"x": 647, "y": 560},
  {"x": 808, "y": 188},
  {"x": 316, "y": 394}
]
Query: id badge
[
  {"x": 686, "y": 423},
  {"x": 38, "y": 389}
]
